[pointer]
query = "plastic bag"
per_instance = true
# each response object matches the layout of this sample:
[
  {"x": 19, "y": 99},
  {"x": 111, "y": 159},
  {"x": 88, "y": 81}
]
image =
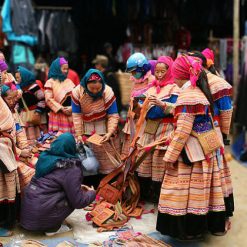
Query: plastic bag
[{"x": 88, "y": 160}]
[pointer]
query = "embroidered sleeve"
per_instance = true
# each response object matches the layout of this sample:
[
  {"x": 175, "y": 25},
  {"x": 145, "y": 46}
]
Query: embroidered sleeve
[
  {"x": 76, "y": 113},
  {"x": 49, "y": 98},
  {"x": 113, "y": 108},
  {"x": 180, "y": 136},
  {"x": 225, "y": 121},
  {"x": 21, "y": 139},
  {"x": 224, "y": 105},
  {"x": 112, "y": 123}
]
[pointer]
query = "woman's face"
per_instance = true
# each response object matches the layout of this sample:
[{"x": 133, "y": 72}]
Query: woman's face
[
  {"x": 2, "y": 56},
  {"x": 160, "y": 71},
  {"x": 4, "y": 75},
  {"x": 10, "y": 99},
  {"x": 65, "y": 69},
  {"x": 94, "y": 87},
  {"x": 179, "y": 82},
  {"x": 18, "y": 77},
  {"x": 136, "y": 74}
]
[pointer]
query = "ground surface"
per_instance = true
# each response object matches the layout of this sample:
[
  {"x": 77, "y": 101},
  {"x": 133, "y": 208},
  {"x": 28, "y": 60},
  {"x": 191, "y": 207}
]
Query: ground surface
[{"x": 237, "y": 237}]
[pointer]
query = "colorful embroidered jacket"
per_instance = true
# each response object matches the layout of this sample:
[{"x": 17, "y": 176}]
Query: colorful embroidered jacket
[
  {"x": 221, "y": 91},
  {"x": 163, "y": 117},
  {"x": 34, "y": 98},
  {"x": 20, "y": 134},
  {"x": 138, "y": 89},
  {"x": 7, "y": 124},
  {"x": 90, "y": 115},
  {"x": 58, "y": 94},
  {"x": 191, "y": 112}
]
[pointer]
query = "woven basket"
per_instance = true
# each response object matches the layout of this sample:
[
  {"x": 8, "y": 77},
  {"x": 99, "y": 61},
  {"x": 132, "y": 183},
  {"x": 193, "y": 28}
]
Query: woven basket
[{"x": 125, "y": 86}]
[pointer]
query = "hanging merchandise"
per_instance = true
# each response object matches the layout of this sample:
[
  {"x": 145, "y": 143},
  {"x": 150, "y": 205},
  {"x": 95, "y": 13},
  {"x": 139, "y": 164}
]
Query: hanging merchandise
[
  {"x": 241, "y": 116},
  {"x": 53, "y": 24},
  {"x": 18, "y": 26},
  {"x": 21, "y": 55},
  {"x": 223, "y": 53}
]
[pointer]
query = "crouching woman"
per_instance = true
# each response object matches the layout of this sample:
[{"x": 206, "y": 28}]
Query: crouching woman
[{"x": 55, "y": 190}]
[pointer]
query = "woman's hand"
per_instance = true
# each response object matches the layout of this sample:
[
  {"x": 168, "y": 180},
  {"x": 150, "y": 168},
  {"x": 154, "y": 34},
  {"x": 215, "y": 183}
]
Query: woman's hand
[
  {"x": 26, "y": 153},
  {"x": 106, "y": 137},
  {"x": 169, "y": 165},
  {"x": 67, "y": 110},
  {"x": 87, "y": 188},
  {"x": 155, "y": 101}
]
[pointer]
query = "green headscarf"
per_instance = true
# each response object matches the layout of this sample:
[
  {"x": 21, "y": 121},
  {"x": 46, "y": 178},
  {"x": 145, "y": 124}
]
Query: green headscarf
[
  {"x": 84, "y": 82},
  {"x": 27, "y": 76},
  {"x": 63, "y": 147},
  {"x": 55, "y": 70},
  {"x": 4, "y": 91}
]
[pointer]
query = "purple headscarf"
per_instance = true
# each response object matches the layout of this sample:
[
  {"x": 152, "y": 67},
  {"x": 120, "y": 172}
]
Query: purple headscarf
[
  {"x": 153, "y": 64},
  {"x": 62, "y": 61},
  {"x": 3, "y": 65}
]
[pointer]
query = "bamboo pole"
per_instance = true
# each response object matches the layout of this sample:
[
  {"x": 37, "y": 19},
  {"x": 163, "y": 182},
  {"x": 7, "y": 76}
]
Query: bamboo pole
[
  {"x": 235, "y": 47},
  {"x": 235, "y": 58}
]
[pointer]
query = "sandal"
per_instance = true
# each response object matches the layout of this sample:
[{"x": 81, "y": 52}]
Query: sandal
[{"x": 5, "y": 232}]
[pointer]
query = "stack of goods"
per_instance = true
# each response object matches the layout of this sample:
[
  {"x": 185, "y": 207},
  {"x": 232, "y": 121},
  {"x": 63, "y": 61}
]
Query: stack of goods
[
  {"x": 119, "y": 191},
  {"x": 43, "y": 143},
  {"x": 126, "y": 236}
]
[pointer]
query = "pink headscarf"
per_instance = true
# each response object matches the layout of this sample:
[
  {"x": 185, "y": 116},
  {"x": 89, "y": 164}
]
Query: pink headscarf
[
  {"x": 187, "y": 68},
  {"x": 62, "y": 61},
  {"x": 168, "y": 79},
  {"x": 209, "y": 54}
]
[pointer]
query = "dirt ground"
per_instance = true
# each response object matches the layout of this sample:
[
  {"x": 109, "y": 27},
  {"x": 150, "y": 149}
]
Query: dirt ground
[{"x": 236, "y": 237}]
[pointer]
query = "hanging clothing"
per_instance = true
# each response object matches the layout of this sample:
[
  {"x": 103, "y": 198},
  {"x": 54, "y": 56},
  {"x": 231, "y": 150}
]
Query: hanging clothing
[
  {"x": 19, "y": 27},
  {"x": 21, "y": 55},
  {"x": 191, "y": 200},
  {"x": 96, "y": 115}
]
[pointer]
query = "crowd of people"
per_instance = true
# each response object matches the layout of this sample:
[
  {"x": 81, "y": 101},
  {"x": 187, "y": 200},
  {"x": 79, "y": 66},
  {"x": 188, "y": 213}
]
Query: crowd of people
[{"x": 187, "y": 177}]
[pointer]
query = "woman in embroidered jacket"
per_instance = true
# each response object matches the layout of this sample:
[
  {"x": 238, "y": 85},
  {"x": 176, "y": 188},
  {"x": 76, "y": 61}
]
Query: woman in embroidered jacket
[
  {"x": 191, "y": 200},
  {"x": 34, "y": 99},
  {"x": 25, "y": 172},
  {"x": 58, "y": 90},
  {"x": 9, "y": 181},
  {"x": 8, "y": 78},
  {"x": 221, "y": 91},
  {"x": 141, "y": 76},
  {"x": 95, "y": 111},
  {"x": 162, "y": 95}
]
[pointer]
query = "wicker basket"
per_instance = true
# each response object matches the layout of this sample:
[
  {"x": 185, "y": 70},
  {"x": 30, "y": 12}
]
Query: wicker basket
[{"x": 125, "y": 86}]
